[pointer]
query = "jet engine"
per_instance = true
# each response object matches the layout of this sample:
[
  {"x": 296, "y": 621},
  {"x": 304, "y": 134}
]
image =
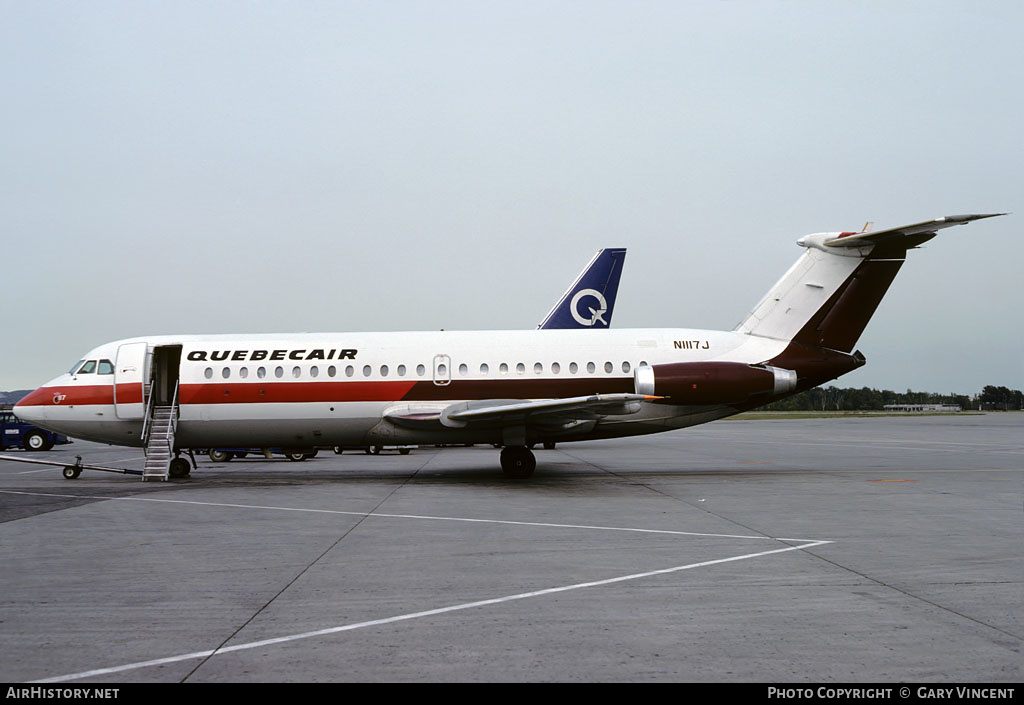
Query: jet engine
[{"x": 705, "y": 383}]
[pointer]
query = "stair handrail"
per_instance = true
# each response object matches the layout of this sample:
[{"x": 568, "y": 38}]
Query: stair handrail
[
  {"x": 174, "y": 409},
  {"x": 146, "y": 418}
]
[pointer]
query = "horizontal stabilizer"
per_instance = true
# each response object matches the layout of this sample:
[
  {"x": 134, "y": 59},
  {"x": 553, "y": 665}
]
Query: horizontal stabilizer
[{"x": 911, "y": 235}]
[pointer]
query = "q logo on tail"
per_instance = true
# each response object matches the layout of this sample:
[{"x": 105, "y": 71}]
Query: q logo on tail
[{"x": 596, "y": 314}]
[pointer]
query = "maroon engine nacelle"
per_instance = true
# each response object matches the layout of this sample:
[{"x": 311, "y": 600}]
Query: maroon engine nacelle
[{"x": 709, "y": 383}]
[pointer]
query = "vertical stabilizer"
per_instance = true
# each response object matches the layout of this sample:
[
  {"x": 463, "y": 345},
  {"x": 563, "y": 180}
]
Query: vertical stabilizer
[
  {"x": 588, "y": 303},
  {"x": 827, "y": 298}
]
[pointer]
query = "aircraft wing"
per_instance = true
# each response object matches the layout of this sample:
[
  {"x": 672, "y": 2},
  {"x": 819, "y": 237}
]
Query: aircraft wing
[
  {"x": 517, "y": 412},
  {"x": 915, "y": 234}
]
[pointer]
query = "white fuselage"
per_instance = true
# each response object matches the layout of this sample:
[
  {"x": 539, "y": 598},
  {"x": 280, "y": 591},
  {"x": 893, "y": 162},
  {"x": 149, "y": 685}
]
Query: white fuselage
[{"x": 325, "y": 389}]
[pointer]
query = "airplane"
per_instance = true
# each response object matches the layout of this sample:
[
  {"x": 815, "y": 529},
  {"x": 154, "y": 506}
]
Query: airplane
[
  {"x": 598, "y": 283},
  {"x": 511, "y": 388},
  {"x": 588, "y": 302}
]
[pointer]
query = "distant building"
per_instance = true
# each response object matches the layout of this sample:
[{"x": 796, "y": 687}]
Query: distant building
[{"x": 922, "y": 407}]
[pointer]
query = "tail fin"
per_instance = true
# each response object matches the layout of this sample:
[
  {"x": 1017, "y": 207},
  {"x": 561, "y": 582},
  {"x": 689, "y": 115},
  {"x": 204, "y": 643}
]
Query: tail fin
[
  {"x": 828, "y": 296},
  {"x": 589, "y": 301}
]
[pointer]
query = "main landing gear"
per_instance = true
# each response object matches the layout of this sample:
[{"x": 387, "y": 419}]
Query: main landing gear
[{"x": 518, "y": 462}]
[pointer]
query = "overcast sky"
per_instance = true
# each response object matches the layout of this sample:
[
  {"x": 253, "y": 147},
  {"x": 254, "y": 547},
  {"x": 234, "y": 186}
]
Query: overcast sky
[{"x": 202, "y": 167}]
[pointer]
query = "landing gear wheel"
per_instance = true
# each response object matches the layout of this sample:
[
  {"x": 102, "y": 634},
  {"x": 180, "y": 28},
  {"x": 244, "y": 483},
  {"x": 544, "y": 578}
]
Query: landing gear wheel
[
  {"x": 70, "y": 472},
  {"x": 375, "y": 450},
  {"x": 36, "y": 440},
  {"x": 549, "y": 445},
  {"x": 295, "y": 457},
  {"x": 179, "y": 468},
  {"x": 338, "y": 450},
  {"x": 518, "y": 462},
  {"x": 220, "y": 456}
]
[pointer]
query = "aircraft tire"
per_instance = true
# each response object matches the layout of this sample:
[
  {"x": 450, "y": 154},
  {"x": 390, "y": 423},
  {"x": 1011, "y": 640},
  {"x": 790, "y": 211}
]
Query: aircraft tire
[
  {"x": 375, "y": 450},
  {"x": 220, "y": 456},
  {"x": 179, "y": 468},
  {"x": 338, "y": 450},
  {"x": 296, "y": 457},
  {"x": 518, "y": 462},
  {"x": 70, "y": 472},
  {"x": 549, "y": 445}
]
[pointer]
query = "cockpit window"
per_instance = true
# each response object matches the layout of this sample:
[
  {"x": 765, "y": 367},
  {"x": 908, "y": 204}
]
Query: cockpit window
[
  {"x": 75, "y": 367},
  {"x": 88, "y": 368},
  {"x": 106, "y": 367}
]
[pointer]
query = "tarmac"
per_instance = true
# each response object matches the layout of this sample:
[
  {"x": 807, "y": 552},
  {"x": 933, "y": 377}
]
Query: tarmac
[{"x": 781, "y": 551}]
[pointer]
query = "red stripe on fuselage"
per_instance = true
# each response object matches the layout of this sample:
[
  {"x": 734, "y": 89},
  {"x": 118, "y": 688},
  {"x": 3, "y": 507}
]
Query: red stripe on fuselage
[
  {"x": 407, "y": 390},
  {"x": 349, "y": 391},
  {"x": 286, "y": 392},
  {"x": 83, "y": 394}
]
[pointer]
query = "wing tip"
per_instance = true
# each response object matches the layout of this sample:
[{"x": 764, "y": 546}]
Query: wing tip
[{"x": 969, "y": 218}]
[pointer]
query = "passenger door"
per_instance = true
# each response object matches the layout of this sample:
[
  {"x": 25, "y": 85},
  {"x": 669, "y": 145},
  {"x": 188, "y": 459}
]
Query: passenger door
[{"x": 130, "y": 375}]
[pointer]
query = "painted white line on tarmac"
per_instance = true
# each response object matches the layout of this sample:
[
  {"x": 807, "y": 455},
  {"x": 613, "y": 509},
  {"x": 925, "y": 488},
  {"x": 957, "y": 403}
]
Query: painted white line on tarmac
[
  {"x": 422, "y": 517},
  {"x": 414, "y": 615}
]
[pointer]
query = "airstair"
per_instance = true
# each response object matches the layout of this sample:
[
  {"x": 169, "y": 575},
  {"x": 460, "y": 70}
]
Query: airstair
[{"x": 158, "y": 433}]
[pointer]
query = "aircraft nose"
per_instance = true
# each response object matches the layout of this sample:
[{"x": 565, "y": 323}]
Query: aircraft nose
[{"x": 30, "y": 407}]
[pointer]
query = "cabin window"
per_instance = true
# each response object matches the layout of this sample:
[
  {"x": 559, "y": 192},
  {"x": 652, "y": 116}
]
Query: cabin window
[
  {"x": 279, "y": 372},
  {"x": 401, "y": 370},
  {"x": 608, "y": 367},
  {"x": 503, "y": 368},
  {"x": 420, "y": 370},
  {"x": 208, "y": 373},
  {"x": 591, "y": 367},
  {"x": 573, "y": 368},
  {"x": 463, "y": 369},
  {"x": 261, "y": 372},
  {"x": 625, "y": 367},
  {"x": 442, "y": 369},
  {"x": 383, "y": 370},
  {"x": 314, "y": 371},
  {"x": 243, "y": 372},
  {"x": 555, "y": 368},
  {"x": 520, "y": 368},
  {"x": 349, "y": 371},
  {"x": 88, "y": 368},
  {"x": 538, "y": 368},
  {"x": 106, "y": 367},
  {"x": 296, "y": 372},
  {"x": 225, "y": 372},
  {"x": 643, "y": 363},
  {"x": 484, "y": 369},
  {"x": 367, "y": 370},
  {"x": 331, "y": 371}
]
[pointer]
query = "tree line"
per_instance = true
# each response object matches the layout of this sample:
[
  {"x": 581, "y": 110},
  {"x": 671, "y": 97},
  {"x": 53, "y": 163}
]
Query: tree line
[{"x": 865, "y": 399}]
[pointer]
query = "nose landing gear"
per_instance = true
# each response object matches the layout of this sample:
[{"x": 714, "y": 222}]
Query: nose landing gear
[{"x": 179, "y": 468}]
